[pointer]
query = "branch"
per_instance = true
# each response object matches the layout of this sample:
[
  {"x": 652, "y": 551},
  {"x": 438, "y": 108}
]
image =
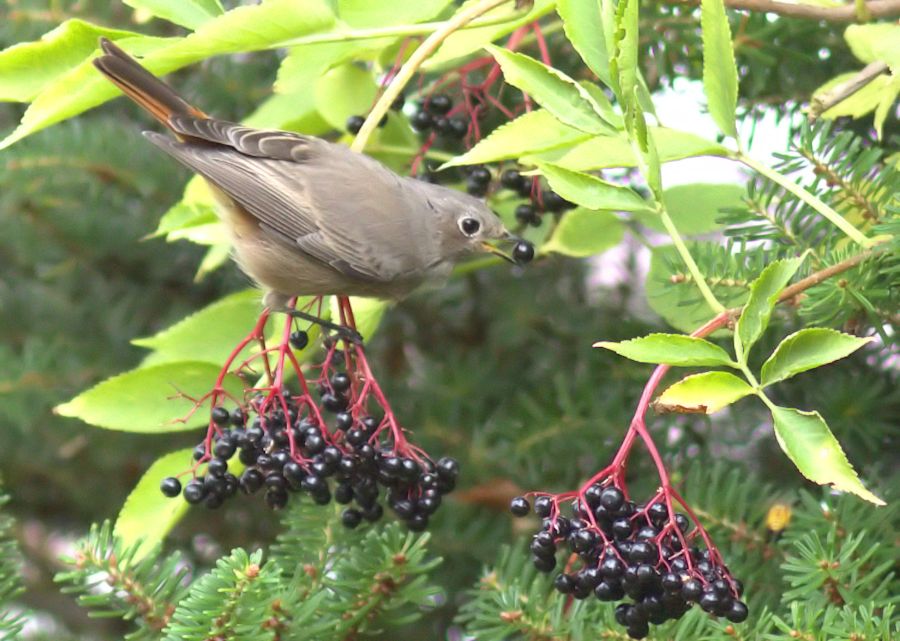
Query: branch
[
  {"x": 845, "y": 13},
  {"x": 721, "y": 320},
  {"x": 419, "y": 56},
  {"x": 822, "y": 103}
]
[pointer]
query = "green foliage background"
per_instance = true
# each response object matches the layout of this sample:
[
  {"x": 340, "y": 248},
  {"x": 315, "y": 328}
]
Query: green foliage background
[{"x": 495, "y": 369}]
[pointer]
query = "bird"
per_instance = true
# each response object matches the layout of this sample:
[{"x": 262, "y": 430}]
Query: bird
[{"x": 309, "y": 217}]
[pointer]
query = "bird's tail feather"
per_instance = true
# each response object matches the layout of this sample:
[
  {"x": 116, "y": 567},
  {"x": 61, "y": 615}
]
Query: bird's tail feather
[{"x": 148, "y": 91}]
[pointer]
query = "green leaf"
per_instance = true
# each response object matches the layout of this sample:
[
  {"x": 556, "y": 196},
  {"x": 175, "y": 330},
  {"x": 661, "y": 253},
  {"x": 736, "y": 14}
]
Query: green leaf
[
  {"x": 809, "y": 443},
  {"x": 190, "y": 14},
  {"x": 695, "y": 207},
  {"x": 720, "y": 79},
  {"x": 531, "y": 132},
  {"x": 584, "y": 29},
  {"x": 704, "y": 393},
  {"x": 26, "y": 68},
  {"x": 147, "y": 515},
  {"x": 383, "y": 13},
  {"x": 670, "y": 349},
  {"x": 553, "y": 90},
  {"x": 367, "y": 312},
  {"x": 807, "y": 349},
  {"x": 863, "y": 101},
  {"x": 344, "y": 91},
  {"x": 602, "y": 152},
  {"x": 505, "y": 18},
  {"x": 875, "y": 41},
  {"x": 623, "y": 66},
  {"x": 676, "y": 299},
  {"x": 644, "y": 146},
  {"x": 208, "y": 335},
  {"x": 764, "y": 293},
  {"x": 591, "y": 192},
  {"x": 583, "y": 232},
  {"x": 246, "y": 28},
  {"x": 150, "y": 399},
  {"x": 195, "y": 208}
]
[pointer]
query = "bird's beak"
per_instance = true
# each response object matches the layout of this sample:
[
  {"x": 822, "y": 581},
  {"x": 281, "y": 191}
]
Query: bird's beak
[
  {"x": 496, "y": 251},
  {"x": 496, "y": 247}
]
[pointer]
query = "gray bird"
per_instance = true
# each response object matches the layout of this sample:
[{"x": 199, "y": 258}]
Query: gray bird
[{"x": 310, "y": 217}]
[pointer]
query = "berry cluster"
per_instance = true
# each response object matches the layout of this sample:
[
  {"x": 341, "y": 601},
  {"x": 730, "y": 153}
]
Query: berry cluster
[
  {"x": 434, "y": 114},
  {"x": 329, "y": 445},
  {"x": 355, "y": 122},
  {"x": 622, "y": 549}
]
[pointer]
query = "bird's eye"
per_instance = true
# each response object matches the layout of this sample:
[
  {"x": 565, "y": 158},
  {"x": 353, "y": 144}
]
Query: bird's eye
[{"x": 469, "y": 226}]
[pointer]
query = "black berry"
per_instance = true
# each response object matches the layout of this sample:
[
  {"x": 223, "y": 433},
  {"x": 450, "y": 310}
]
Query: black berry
[
  {"x": 354, "y": 124},
  {"x": 170, "y": 486}
]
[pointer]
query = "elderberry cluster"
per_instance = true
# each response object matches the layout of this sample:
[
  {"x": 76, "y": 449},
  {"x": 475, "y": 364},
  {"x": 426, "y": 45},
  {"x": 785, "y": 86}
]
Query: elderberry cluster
[
  {"x": 631, "y": 550},
  {"x": 432, "y": 115},
  {"x": 285, "y": 454}
]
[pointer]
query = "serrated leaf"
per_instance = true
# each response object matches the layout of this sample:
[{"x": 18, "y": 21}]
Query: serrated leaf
[
  {"x": 807, "y": 349},
  {"x": 809, "y": 443},
  {"x": 875, "y": 41},
  {"x": 583, "y": 232},
  {"x": 695, "y": 207},
  {"x": 670, "y": 349},
  {"x": 367, "y": 312},
  {"x": 150, "y": 399},
  {"x": 531, "y": 132},
  {"x": 190, "y": 14},
  {"x": 246, "y": 28},
  {"x": 623, "y": 66},
  {"x": 591, "y": 192},
  {"x": 381, "y": 13},
  {"x": 720, "y": 79},
  {"x": 555, "y": 91},
  {"x": 147, "y": 515},
  {"x": 26, "y": 68},
  {"x": 505, "y": 19},
  {"x": 764, "y": 293},
  {"x": 704, "y": 393},
  {"x": 344, "y": 91},
  {"x": 208, "y": 335},
  {"x": 584, "y": 29},
  {"x": 602, "y": 152},
  {"x": 644, "y": 145}
]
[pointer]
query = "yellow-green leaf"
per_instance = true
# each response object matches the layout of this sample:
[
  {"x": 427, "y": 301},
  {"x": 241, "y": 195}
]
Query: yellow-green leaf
[
  {"x": 532, "y": 132},
  {"x": 764, "y": 293},
  {"x": 568, "y": 101},
  {"x": 591, "y": 192},
  {"x": 584, "y": 232},
  {"x": 807, "y": 349},
  {"x": 809, "y": 443},
  {"x": 190, "y": 14},
  {"x": 704, "y": 393},
  {"x": 720, "y": 79},
  {"x": 151, "y": 399},
  {"x": 670, "y": 349},
  {"x": 584, "y": 29}
]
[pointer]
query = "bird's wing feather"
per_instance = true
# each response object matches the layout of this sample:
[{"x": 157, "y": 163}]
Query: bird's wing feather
[
  {"x": 260, "y": 143},
  {"x": 313, "y": 205}
]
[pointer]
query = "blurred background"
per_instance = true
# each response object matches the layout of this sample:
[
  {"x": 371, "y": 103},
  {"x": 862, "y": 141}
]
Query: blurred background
[{"x": 496, "y": 369}]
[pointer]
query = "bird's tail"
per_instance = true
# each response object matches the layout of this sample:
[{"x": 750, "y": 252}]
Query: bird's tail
[{"x": 148, "y": 91}]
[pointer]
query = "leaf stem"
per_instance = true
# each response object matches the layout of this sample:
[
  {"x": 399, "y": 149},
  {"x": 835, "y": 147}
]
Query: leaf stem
[
  {"x": 810, "y": 199},
  {"x": 416, "y": 60},
  {"x": 689, "y": 261}
]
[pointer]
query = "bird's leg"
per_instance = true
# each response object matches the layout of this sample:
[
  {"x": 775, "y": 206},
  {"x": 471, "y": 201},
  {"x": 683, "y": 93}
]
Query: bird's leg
[{"x": 343, "y": 331}]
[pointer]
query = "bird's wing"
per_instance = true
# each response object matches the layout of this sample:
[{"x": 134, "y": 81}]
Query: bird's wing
[{"x": 339, "y": 207}]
